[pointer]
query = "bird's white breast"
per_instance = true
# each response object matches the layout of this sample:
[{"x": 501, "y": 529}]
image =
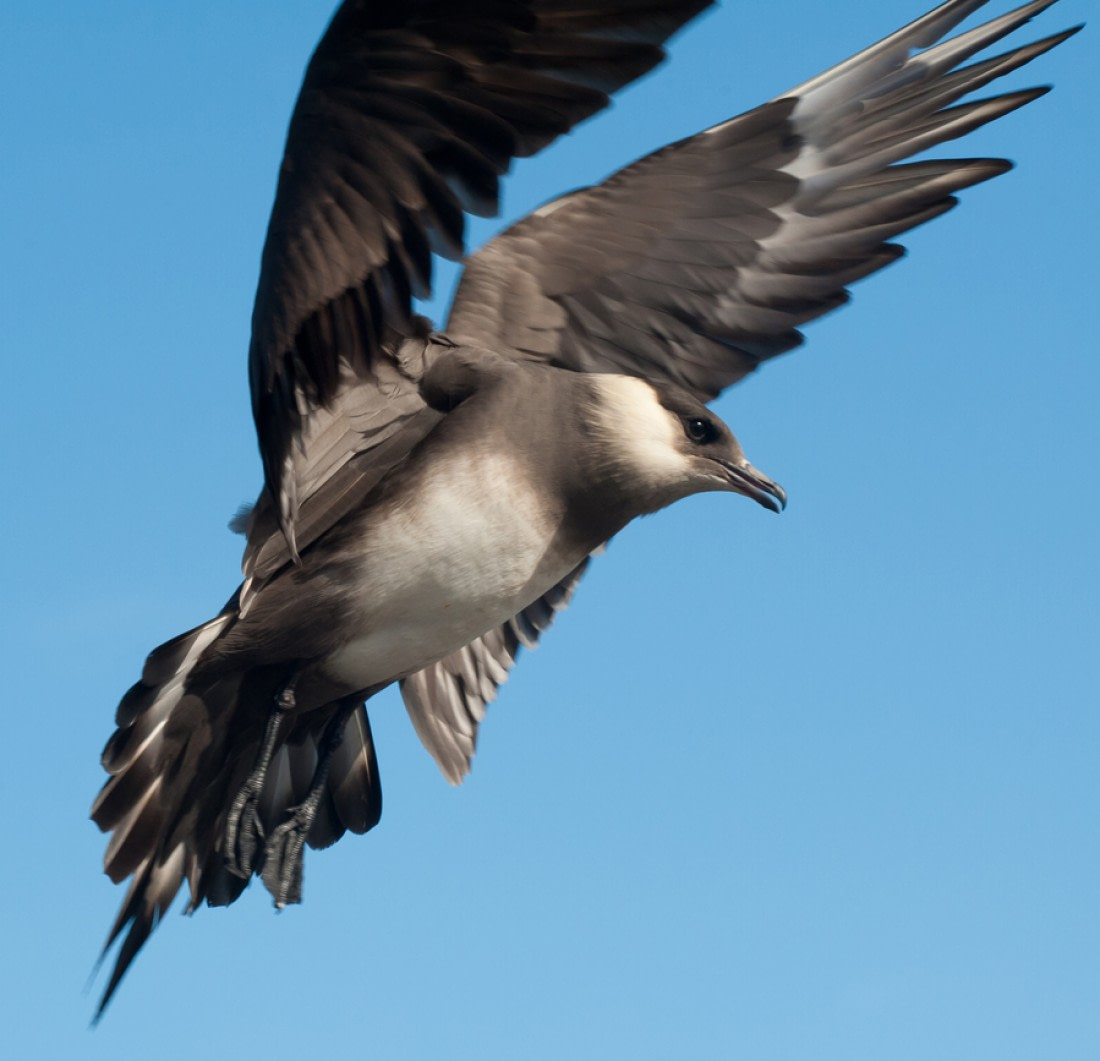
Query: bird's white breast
[{"x": 469, "y": 546}]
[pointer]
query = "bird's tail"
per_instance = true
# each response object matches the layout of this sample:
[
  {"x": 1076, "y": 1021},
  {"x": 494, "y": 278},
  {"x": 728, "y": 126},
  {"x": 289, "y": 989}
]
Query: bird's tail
[{"x": 180, "y": 753}]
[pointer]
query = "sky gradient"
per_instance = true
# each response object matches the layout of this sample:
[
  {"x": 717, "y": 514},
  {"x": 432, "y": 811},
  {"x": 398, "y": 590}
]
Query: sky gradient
[{"x": 820, "y": 785}]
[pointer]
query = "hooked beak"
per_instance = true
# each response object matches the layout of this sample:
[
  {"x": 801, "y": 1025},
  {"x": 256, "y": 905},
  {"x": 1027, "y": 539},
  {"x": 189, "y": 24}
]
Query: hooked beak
[{"x": 745, "y": 479}]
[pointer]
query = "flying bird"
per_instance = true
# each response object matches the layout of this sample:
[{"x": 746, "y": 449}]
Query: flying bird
[{"x": 432, "y": 497}]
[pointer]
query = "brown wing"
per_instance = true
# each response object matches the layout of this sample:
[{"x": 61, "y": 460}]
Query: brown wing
[
  {"x": 345, "y": 448},
  {"x": 703, "y": 259},
  {"x": 409, "y": 113}
]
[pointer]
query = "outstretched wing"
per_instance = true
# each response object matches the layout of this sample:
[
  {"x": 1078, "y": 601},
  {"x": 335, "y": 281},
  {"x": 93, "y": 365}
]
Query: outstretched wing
[
  {"x": 409, "y": 113},
  {"x": 701, "y": 260}
]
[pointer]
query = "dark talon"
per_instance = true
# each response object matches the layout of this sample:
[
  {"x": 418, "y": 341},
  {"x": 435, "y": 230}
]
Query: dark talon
[
  {"x": 283, "y": 851},
  {"x": 283, "y": 861},
  {"x": 244, "y": 832}
]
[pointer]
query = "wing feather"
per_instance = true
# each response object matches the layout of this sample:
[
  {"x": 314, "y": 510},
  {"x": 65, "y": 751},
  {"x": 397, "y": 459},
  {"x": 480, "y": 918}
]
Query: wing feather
[
  {"x": 408, "y": 115},
  {"x": 704, "y": 258}
]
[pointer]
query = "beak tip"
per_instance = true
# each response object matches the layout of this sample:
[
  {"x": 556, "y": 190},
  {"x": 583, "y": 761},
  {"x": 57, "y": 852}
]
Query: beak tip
[{"x": 744, "y": 479}]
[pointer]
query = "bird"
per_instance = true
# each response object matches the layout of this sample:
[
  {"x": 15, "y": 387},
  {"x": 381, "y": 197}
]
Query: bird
[{"x": 433, "y": 496}]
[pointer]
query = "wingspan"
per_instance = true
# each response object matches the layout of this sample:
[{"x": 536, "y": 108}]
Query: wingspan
[{"x": 703, "y": 259}]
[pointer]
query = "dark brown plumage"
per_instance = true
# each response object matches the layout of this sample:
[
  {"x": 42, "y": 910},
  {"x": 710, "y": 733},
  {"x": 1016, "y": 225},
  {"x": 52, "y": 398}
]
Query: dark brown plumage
[
  {"x": 685, "y": 270},
  {"x": 408, "y": 115}
]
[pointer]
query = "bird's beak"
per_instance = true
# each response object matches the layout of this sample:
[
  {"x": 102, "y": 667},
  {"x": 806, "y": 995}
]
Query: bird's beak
[{"x": 745, "y": 479}]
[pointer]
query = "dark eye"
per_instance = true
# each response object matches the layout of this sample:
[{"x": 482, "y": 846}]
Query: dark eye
[{"x": 700, "y": 430}]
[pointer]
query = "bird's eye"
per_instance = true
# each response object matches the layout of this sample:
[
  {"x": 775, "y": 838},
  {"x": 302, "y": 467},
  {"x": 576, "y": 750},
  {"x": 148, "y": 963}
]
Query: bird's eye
[{"x": 700, "y": 430}]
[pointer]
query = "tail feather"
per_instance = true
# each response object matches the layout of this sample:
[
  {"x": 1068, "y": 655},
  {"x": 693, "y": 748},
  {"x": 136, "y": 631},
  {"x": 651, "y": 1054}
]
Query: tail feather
[
  {"x": 327, "y": 827},
  {"x": 183, "y": 748},
  {"x": 135, "y": 834},
  {"x": 133, "y": 740},
  {"x": 167, "y": 667},
  {"x": 124, "y": 790},
  {"x": 151, "y": 892},
  {"x": 353, "y": 779},
  {"x": 151, "y": 759},
  {"x": 219, "y": 887},
  {"x": 279, "y": 788}
]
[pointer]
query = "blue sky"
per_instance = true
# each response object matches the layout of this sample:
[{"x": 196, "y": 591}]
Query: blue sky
[{"x": 813, "y": 786}]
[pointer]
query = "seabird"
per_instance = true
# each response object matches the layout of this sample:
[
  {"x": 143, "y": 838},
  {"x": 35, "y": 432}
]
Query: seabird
[{"x": 432, "y": 498}]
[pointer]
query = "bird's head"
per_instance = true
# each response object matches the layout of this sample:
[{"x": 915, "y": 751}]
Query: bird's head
[{"x": 660, "y": 444}]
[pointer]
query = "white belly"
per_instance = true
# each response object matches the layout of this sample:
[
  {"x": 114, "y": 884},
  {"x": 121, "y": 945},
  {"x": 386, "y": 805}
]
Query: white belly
[{"x": 442, "y": 570}]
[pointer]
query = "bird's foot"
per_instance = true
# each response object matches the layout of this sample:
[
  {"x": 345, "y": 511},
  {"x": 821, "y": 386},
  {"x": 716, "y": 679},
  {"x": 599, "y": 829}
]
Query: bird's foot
[
  {"x": 283, "y": 855},
  {"x": 244, "y": 833},
  {"x": 283, "y": 851}
]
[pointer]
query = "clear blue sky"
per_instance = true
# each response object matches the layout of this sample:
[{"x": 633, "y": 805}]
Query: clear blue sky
[{"x": 818, "y": 786}]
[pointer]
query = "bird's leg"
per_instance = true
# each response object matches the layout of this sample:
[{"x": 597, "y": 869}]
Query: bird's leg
[
  {"x": 282, "y": 868},
  {"x": 244, "y": 833}
]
